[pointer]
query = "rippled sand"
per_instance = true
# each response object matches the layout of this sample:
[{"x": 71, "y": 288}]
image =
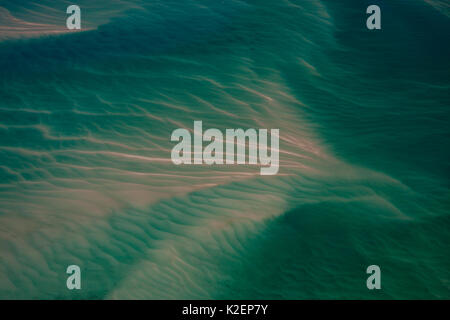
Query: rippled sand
[{"x": 86, "y": 175}]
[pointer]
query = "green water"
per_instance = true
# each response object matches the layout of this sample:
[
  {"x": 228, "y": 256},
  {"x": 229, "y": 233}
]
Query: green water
[{"x": 86, "y": 176}]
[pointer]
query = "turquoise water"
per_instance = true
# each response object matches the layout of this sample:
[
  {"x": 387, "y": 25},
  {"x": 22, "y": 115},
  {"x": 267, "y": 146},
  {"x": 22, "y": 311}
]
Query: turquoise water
[{"x": 85, "y": 170}]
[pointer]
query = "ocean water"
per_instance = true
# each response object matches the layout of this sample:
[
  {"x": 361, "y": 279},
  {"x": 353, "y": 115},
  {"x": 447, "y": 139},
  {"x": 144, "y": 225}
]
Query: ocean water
[{"x": 85, "y": 170}]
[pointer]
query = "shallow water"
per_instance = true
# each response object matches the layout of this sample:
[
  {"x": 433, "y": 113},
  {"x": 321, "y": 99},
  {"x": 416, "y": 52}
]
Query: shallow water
[{"x": 85, "y": 170}]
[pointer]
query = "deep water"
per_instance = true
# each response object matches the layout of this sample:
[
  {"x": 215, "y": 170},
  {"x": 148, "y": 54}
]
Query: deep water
[{"x": 85, "y": 170}]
